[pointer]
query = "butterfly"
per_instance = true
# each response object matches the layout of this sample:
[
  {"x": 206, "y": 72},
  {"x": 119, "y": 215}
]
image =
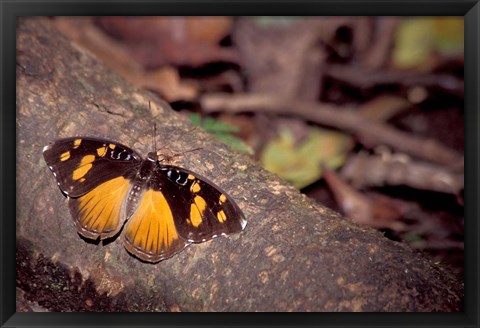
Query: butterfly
[{"x": 162, "y": 208}]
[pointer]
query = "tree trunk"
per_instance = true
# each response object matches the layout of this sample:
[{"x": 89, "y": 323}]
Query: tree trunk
[{"x": 294, "y": 255}]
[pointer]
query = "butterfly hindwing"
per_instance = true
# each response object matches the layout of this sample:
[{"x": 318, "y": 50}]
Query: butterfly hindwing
[
  {"x": 100, "y": 212},
  {"x": 151, "y": 233}
]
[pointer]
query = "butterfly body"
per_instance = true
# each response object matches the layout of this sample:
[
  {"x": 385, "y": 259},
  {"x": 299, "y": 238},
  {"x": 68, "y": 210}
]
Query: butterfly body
[{"x": 165, "y": 207}]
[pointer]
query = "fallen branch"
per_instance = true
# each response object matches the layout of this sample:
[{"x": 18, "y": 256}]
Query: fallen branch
[
  {"x": 376, "y": 170},
  {"x": 365, "y": 78},
  {"x": 341, "y": 118}
]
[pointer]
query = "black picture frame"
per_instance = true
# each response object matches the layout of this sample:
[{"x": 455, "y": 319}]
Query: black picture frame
[{"x": 12, "y": 9}]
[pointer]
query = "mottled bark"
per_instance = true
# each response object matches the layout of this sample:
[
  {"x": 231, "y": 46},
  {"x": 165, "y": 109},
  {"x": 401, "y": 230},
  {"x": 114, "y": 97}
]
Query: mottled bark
[{"x": 294, "y": 255}]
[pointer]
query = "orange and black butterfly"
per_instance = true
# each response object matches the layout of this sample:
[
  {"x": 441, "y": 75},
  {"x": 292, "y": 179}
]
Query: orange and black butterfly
[{"x": 166, "y": 207}]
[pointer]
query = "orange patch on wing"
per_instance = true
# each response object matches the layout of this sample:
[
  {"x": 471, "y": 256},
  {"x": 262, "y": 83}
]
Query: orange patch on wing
[
  {"x": 223, "y": 198},
  {"x": 77, "y": 143},
  {"x": 152, "y": 229},
  {"x": 81, "y": 171},
  {"x": 112, "y": 146},
  {"x": 196, "y": 210},
  {"x": 101, "y": 151},
  {"x": 99, "y": 209},
  {"x": 221, "y": 216},
  {"x": 84, "y": 166},
  {"x": 65, "y": 156},
  {"x": 195, "y": 187}
]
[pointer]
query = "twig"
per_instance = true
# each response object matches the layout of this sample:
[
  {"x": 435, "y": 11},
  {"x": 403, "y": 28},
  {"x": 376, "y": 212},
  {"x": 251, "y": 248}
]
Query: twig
[
  {"x": 379, "y": 50},
  {"x": 364, "y": 78},
  {"x": 375, "y": 170}
]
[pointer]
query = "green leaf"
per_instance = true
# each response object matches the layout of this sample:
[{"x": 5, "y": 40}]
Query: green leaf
[
  {"x": 412, "y": 237},
  {"x": 301, "y": 163},
  {"x": 221, "y": 131},
  {"x": 449, "y": 35},
  {"x": 413, "y": 43},
  {"x": 418, "y": 38}
]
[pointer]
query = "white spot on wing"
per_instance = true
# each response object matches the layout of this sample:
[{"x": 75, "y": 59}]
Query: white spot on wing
[{"x": 243, "y": 223}]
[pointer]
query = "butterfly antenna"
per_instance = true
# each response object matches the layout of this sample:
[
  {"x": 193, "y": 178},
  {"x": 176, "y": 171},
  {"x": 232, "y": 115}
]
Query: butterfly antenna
[
  {"x": 192, "y": 150},
  {"x": 155, "y": 136}
]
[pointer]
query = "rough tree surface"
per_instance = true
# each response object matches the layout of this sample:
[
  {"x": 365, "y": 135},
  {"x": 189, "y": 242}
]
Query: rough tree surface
[{"x": 294, "y": 255}]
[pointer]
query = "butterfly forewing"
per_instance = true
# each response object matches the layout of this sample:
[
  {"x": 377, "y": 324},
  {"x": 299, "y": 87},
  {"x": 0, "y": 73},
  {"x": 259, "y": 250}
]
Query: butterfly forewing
[
  {"x": 203, "y": 211},
  {"x": 81, "y": 164}
]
